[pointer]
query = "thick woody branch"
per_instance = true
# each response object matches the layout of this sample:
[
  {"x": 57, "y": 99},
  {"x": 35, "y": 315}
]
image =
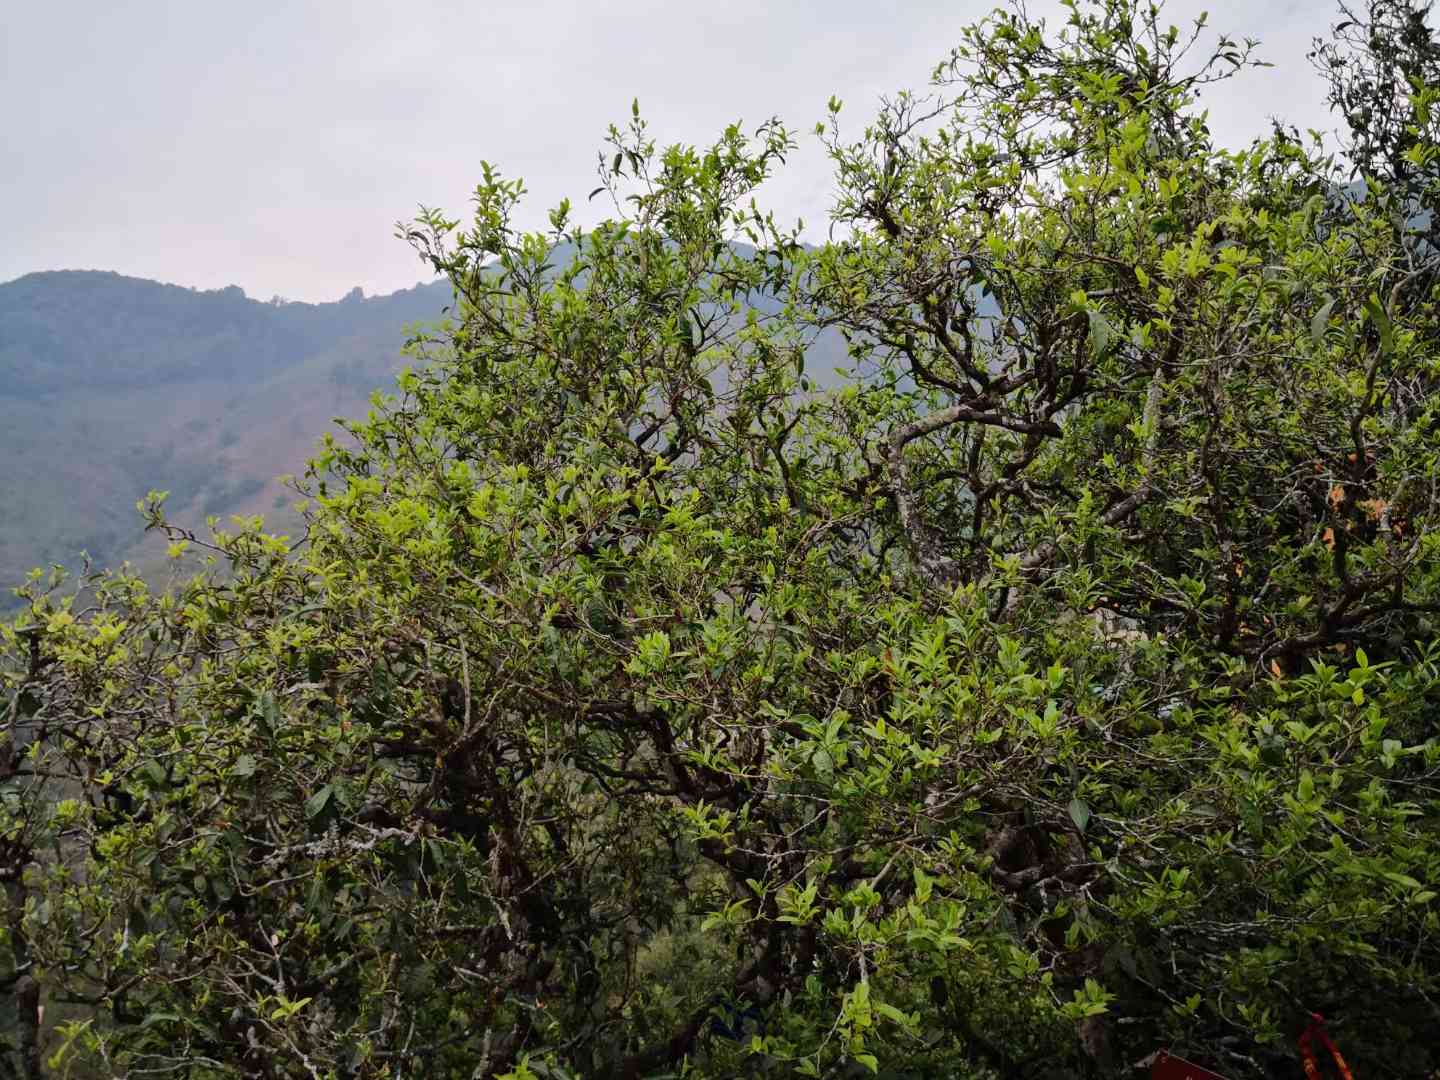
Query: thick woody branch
[{"x": 935, "y": 565}]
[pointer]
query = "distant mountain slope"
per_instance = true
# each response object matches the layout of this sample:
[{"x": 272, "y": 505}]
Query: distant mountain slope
[
  {"x": 111, "y": 386},
  {"x": 61, "y": 328}
]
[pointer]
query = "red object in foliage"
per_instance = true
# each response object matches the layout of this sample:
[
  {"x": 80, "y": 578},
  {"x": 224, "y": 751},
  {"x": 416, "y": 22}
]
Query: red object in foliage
[
  {"x": 1173, "y": 1068},
  {"x": 1313, "y": 1031},
  {"x": 1166, "y": 1067}
]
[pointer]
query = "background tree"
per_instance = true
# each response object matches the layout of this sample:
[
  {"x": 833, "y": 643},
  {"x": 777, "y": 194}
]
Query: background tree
[{"x": 1377, "y": 58}]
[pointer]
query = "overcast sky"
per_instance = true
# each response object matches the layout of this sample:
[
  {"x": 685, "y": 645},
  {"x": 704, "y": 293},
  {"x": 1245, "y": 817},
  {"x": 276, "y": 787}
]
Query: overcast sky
[{"x": 273, "y": 145}]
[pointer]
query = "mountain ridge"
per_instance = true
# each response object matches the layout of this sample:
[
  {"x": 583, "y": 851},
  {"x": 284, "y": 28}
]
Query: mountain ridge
[{"x": 117, "y": 330}]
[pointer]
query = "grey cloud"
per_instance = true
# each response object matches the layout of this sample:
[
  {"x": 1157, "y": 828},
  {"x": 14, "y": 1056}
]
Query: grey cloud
[{"x": 274, "y": 144}]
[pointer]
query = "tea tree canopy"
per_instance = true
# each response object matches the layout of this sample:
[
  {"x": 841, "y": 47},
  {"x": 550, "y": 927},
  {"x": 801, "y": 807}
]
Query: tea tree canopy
[{"x": 1058, "y": 684}]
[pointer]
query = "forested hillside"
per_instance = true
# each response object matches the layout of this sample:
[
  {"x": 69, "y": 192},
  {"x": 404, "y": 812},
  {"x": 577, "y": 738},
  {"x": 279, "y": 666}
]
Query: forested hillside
[
  {"x": 65, "y": 329},
  {"x": 1058, "y": 692},
  {"x": 112, "y": 386}
]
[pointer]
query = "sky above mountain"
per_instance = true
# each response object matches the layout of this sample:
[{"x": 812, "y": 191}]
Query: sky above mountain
[{"x": 274, "y": 145}]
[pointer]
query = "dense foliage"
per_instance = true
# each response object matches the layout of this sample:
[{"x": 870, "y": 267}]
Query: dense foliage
[{"x": 1061, "y": 687}]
